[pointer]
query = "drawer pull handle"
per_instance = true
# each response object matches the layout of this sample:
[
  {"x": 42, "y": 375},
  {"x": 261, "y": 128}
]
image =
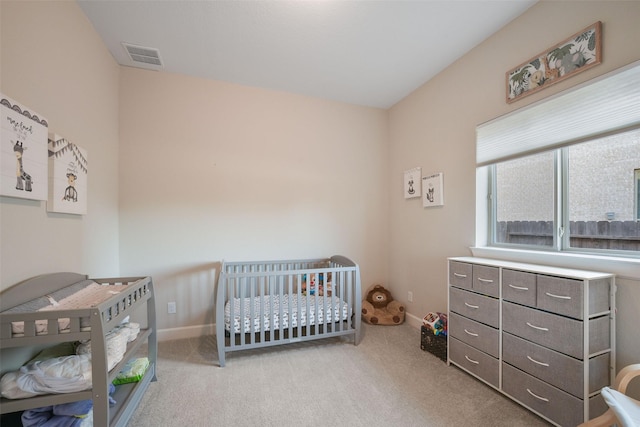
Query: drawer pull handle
[
  {"x": 471, "y": 306},
  {"x": 470, "y": 333},
  {"x": 471, "y": 360},
  {"x": 519, "y": 288},
  {"x": 557, "y": 296},
  {"x": 535, "y": 361},
  {"x": 540, "y": 328},
  {"x": 544, "y": 399},
  {"x": 480, "y": 279},
  {"x": 460, "y": 275}
]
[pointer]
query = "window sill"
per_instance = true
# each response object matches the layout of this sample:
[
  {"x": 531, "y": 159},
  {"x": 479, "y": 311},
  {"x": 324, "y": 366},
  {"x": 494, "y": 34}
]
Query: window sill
[{"x": 622, "y": 267}]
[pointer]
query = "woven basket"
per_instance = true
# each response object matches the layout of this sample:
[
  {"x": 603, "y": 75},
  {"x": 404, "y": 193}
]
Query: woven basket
[{"x": 434, "y": 344}]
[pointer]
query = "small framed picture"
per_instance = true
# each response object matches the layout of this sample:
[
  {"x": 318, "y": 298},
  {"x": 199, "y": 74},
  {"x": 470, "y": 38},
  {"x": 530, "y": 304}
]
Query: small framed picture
[
  {"x": 23, "y": 151},
  {"x": 432, "y": 190},
  {"x": 412, "y": 179},
  {"x": 68, "y": 171}
]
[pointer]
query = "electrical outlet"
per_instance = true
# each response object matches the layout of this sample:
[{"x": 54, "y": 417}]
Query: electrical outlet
[
  {"x": 171, "y": 307},
  {"x": 410, "y": 296}
]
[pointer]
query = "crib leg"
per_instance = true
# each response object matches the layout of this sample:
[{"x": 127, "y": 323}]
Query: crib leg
[{"x": 221, "y": 342}]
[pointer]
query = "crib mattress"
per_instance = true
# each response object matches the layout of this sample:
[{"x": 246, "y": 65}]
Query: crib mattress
[{"x": 294, "y": 310}]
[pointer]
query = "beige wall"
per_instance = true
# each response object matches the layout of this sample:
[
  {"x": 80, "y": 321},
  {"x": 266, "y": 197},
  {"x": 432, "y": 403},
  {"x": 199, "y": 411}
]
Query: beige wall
[
  {"x": 54, "y": 63},
  {"x": 212, "y": 171},
  {"x": 434, "y": 128},
  {"x": 206, "y": 170}
]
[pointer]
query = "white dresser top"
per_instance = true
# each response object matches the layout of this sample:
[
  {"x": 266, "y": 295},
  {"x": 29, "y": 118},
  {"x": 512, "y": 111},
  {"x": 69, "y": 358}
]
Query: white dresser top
[{"x": 542, "y": 269}]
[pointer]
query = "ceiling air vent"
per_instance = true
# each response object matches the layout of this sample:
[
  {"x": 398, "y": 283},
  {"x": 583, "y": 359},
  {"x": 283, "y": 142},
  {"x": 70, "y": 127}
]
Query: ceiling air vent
[{"x": 143, "y": 55}]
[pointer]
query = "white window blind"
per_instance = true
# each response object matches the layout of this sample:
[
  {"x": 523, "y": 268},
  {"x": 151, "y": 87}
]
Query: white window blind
[{"x": 608, "y": 103}]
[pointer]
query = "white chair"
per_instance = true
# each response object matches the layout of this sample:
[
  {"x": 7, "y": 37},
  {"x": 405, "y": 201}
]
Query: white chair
[{"x": 623, "y": 410}]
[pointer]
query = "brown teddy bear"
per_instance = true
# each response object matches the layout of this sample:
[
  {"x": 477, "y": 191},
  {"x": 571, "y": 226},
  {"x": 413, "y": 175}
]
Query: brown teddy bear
[{"x": 379, "y": 307}]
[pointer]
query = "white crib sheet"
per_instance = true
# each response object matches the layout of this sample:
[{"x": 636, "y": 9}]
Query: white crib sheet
[{"x": 292, "y": 310}]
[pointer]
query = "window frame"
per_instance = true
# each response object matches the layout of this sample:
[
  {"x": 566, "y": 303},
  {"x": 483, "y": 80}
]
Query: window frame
[
  {"x": 561, "y": 234},
  {"x": 622, "y": 266},
  {"x": 636, "y": 173}
]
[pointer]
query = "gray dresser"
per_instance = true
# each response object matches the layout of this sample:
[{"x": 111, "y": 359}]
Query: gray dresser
[{"x": 544, "y": 336}]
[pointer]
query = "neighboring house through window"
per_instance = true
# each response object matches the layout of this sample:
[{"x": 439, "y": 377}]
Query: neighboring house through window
[{"x": 593, "y": 208}]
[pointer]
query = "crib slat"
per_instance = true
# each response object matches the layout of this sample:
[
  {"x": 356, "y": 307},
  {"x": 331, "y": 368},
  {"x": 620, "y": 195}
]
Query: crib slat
[
  {"x": 237, "y": 293},
  {"x": 308, "y": 309},
  {"x": 279, "y": 283},
  {"x": 290, "y": 312},
  {"x": 258, "y": 285},
  {"x": 299, "y": 307}
]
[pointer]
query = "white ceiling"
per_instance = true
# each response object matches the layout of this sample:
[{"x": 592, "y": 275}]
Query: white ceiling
[{"x": 366, "y": 52}]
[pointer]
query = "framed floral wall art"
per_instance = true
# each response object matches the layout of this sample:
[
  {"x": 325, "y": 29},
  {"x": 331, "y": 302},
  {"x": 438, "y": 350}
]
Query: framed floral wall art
[{"x": 574, "y": 55}]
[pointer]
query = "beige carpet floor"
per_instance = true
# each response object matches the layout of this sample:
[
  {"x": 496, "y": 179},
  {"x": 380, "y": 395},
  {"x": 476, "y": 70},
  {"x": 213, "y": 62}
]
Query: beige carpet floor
[{"x": 387, "y": 380}]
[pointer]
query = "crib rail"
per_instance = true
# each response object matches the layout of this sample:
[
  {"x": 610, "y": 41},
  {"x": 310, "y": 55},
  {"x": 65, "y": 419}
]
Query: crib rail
[{"x": 282, "y": 302}]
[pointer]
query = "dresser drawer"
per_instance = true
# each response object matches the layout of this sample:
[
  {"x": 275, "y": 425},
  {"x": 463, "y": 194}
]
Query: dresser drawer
[
  {"x": 559, "y": 370},
  {"x": 550, "y": 330},
  {"x": 553, "y": 331},
  {"x": 478, "y": 363},
  {"x": 460, "y": 274},
  {"x": 475, "y": 306},
  {"x": 486, "y": 280},
  {"x": 555, "y": 404},
  {"x": 475, "y": 334},
  {"x": 566, "y": 296},
  {"x": 560, "y": 295},
  {"x": 519, "y": 286}
]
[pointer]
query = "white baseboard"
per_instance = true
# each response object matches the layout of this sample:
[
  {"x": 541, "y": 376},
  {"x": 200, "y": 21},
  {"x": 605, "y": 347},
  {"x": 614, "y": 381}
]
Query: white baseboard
[
  {"x": 414, "y": 321},
  {"x": 186, "y": 332},
  {"x": 200, "y": 330}
]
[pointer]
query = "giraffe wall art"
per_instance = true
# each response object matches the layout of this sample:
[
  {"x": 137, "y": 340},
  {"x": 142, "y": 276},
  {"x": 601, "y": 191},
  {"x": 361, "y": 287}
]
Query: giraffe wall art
[{"x": 23, "y": 152}]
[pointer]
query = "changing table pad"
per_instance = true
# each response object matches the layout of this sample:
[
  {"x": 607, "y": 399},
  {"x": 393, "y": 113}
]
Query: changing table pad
[{"x": 84, "y": 294}]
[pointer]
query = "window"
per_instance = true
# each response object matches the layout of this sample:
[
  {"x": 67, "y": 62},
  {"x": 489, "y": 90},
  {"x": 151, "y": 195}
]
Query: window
[
  {"x": 563, "y": 174},
  {"x": 524, "y": 200},
  {"x": 595, "y": 208},
  {"x": 601, "y": 193}
]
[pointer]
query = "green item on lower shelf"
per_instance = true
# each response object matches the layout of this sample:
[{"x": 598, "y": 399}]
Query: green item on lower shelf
[
  {"x": 132, "y": 371},
  {"x": 58, "y": 350}
]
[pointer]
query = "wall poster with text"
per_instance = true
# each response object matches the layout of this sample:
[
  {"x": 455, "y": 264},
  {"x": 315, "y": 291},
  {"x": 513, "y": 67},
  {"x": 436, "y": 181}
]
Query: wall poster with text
[
  {"x": 433, "y": 190},
  {"x": 23, "y": 152}
]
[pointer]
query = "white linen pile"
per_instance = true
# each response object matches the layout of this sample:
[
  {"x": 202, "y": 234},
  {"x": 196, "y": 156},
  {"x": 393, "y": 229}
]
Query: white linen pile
[
  {"x": 65, "y": 374},
  {"x": 293, "y": 310}
]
